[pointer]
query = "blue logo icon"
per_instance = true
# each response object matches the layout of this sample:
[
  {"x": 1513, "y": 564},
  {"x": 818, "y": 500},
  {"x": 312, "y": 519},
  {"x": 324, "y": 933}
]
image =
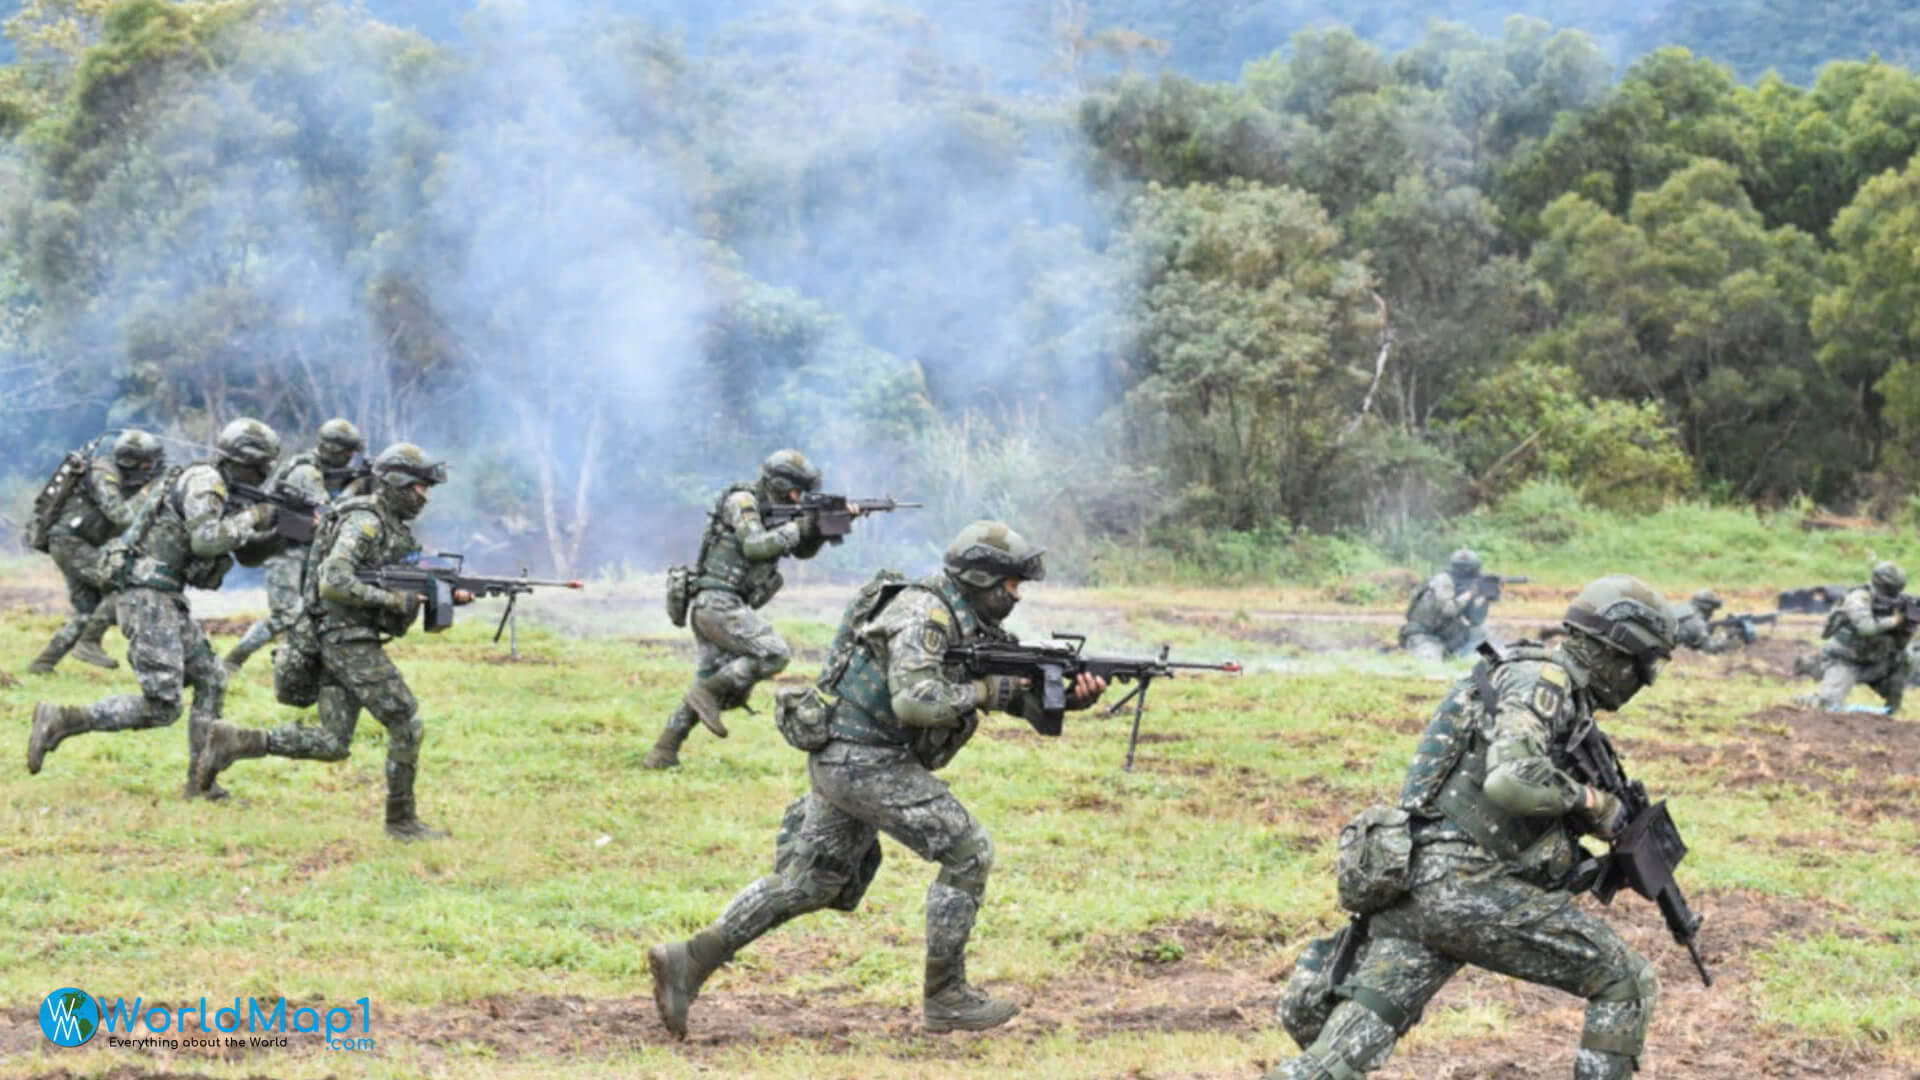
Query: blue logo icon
[{"x": 69, "y": 1017}]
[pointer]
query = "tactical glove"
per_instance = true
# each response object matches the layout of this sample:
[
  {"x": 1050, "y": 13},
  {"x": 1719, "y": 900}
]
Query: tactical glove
[
  {"x": 997, "y": 692},
  {"x": 261, "y": 516},
  {"x": 403, "y": 602},
  {"x": 1606, "y": 814}
]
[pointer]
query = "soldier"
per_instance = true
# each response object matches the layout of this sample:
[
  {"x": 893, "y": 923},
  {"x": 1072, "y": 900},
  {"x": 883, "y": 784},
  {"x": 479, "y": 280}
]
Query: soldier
[
  {"x": 184, "y": 534},
  {"x": 1493, "y": 819},
  {"x": 347, "y": 621},
  {"x": 736, "y": 574},
  {"x": 1447, "y": 615},
  {"x": 900, "y": 714},
  {"x": 99, "y": 508},
  {"x": 1694, "y": 625},
  {"x": 319, "y": 475},
  {"x": 1867, "y": 638}
]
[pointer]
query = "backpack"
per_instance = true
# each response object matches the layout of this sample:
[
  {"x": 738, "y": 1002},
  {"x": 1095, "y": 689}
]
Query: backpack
[{"x": 52, "y": 497}]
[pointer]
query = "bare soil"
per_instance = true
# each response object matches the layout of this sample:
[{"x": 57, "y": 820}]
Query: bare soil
[{"x": 1868, "y": 764}]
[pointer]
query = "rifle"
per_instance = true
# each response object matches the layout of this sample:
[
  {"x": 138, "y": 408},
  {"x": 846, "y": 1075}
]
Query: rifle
[
  {"x": 1488, "y": 585},
  {"x": 294, "y": 521},
  {"x": 340, "y": 479},
  {"x": 1813, "y": 600},
  {"x": 1743, "y": 624},
  {"x": 437, "y": 584},
  {"x": 1643, "y": 855},
  {"x": 1051, "y": 667},
  {"x": 833, "y": 514}
]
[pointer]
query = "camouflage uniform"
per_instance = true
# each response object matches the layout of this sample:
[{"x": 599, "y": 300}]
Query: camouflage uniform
[
  {"x": 1867, "y": 639},
  {"x": 737, "y": 573},
  {"x": 1495, "y": 820},
  {"x": 99, "y": 509},
  {"x": 183, "y": 536},
  {"x": 901, "y": 713},
  {"x": 1446, "y": 617},
  {"x": 319, "y": 476},
  {"x": 348, "y": 622},
  {"x": 1694, "y": 627}
]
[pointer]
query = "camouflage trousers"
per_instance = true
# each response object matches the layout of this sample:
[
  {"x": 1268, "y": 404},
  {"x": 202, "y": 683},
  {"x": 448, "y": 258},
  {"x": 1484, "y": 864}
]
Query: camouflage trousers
[
  {"x": 79, "y": 563},
  {"x": 168, "y": 653},
  {"x": 857, "y": 793},
  {"x": 1467, "y": 912},
  {"x": 735, "y": 648},
  {"x": 356, "y": 674},
  {"x": 1838, "y": 676},
  {"x": 285, "y": 573}
]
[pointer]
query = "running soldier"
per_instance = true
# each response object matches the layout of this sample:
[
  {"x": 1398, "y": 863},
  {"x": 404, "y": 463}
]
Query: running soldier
[{"x": 98, "y": 509}]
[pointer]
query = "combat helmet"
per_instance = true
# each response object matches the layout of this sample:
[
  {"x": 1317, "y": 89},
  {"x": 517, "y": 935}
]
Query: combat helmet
[
  {"x": 986, "y": 553},
  {"x": 1706, "y": 601},
  {"x": 137, "y": 451},
  {"x": 1626, "y": 615},
  {"x": 785, "y": 472},
  {"x": 248, "y": 443},
  {"x": 1464, "y": 563},
  {"x": 340, "y": 440},
  {"x": 1888, "y": 579},
  {"x": 403, "y": 465}
]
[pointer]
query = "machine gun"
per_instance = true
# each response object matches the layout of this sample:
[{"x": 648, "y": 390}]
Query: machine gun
[
  {"x": 437, "y": 584},
  {"x": 1049, "y": 668},
  {"x": 294, "y": 519},
  {"x": 1487, "y": 586},
  {"x": 1644, "y": 853},
  {"x": 1743, "y": 625},
  {"x": 834, "y": 514},
  {"x": 1812, "y": 600}
]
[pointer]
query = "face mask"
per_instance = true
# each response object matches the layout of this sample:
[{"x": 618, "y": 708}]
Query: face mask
[
  {"x": 404, "y": 502},
  {"x": 332, "y": 457},
  {"x": 1616, "y": 677},
  {"x": 994, "y": 604},
  {"x": 237, "y": 473}
]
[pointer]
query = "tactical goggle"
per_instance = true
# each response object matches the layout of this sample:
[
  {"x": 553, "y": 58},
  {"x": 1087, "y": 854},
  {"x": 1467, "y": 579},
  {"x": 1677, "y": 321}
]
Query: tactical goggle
[
  {"x": 995, "y": 561},
  {"x": 436, "y": 473}
]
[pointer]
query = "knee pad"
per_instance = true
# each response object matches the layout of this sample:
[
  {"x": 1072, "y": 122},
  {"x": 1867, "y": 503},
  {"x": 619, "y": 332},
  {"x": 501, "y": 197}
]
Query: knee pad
[{"x": 966, "y": 864}]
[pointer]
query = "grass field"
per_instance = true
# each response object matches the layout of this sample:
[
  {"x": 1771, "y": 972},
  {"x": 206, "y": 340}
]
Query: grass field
[{"x": 1147, "y": 919}]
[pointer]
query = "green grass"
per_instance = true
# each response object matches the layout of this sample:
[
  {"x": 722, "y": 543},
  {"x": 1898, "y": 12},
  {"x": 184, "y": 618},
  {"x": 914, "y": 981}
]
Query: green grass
[{"x": 569, "y": 860}]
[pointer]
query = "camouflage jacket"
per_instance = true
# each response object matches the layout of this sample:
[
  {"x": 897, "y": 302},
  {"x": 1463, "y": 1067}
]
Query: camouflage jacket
[
  {"x": 741, "y": 555},
  {"x": 1496, "y": 779},
  {"x": 1694, "y": 630},
  {"x": 185, "y": 532},
  {"x": 1859, "y": 634},
  {"x": 101, "y": 506},
  {"x": 359, "y": 535},
  {"x": 1446, "y": 609}
]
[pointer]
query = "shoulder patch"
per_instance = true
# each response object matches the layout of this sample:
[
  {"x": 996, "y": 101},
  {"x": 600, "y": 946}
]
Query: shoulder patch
[
  {"x": 933, "y": 638},
  {"x": 1549, "y": 691},
  {"x": 369, "y": 529},
  {"x": 938, "y": 614}
]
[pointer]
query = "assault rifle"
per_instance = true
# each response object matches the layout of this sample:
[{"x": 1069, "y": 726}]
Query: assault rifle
[
  {"x": 294, "y": 520},
  {"x": 1743, "y": 625},
  {"x": 345, "y": 476},
  {"x": 1643, "y": 855},
  {"x": 833, "y": 514},
  {"x": 1813, "y": 600},
  {"x": 1049, "y": 668},
  {"x": 1487, "y": 586},
  {"x": 437, "y": 584}
]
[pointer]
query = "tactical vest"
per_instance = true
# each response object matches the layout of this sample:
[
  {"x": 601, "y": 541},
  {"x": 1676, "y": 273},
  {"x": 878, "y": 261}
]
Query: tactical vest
[
  {"x": 80, "y": 516},
  {"x": 333, "y": 480},
  {"x": 724, "y": 565},
  {"x": 864, "y": 710},
  {"x": 332, "y": 616},
  {"x": 159, "y": 548},
  {"x": 1449, "y": 769}
]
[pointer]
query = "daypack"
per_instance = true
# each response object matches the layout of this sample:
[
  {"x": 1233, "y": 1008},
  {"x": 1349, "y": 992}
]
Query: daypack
[{"x": 53, "y": 496}]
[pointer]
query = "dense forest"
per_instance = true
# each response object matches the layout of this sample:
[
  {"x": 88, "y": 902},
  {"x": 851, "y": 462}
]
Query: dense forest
[{"x": 1078, "y": 267}]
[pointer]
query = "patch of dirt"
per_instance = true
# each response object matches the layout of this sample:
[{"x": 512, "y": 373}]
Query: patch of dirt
[
  {"x": 33, "y": 599},
  {"x": 226, "y": 625},
  {"x": 8, "y": 680},
  {"x": 1867, "y": 763}
]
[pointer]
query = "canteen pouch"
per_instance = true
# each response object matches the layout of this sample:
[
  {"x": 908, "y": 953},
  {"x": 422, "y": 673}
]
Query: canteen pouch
[
  {"x": 296, "y": 667},
  {"x": 802, "y": 714},
  {"x": 1376, "y": 853},
  {"x": 679, "y": 593}
]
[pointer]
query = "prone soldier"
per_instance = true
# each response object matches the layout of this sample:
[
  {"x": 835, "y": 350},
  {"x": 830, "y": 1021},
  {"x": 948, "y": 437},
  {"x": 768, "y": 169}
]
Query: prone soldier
[
  {"x": 736, "y": 574},
  {"x": 319, "y": 476},
  {"x": 97, "y": 509},
  {"x": 340, "y": 638},
  {"x": 887, "y": 712},
  {"x": 185, "y": 534},
  {"x": 1485, "y": 855},
  {"x": 1866, "y": 642}
]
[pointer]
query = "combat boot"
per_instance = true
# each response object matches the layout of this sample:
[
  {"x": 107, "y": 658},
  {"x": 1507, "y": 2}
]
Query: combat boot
[
  {"x": 49, "y": 656},
  {"x": 953, "y": 1005},
  {"x": 51, "y": 724},
  {"x": 678, "y": 971},
  {"x": 705, "y": 705},
  {"x": 256, "y": 636},
  {"x": 401, "y": 822},
  {"x": 91, "y": 651},
  {"x": 666, "y": 749},
  {"x": 218, "y": 747}
]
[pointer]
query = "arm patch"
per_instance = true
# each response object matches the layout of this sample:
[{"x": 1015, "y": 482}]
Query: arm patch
[{"x": 1549, "y": 696}]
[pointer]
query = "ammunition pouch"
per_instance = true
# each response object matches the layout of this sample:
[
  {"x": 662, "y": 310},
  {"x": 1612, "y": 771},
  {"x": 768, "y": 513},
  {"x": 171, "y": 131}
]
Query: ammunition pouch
[
  {"x": 1376, "y": 853},
  {"x": 793, "y": 857},
  {"x": 679, "y": 593},
  {"x": 762, "y": 590},
  {"x": 297, "y": 669},
  {"x": 804, "y": 717}
]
